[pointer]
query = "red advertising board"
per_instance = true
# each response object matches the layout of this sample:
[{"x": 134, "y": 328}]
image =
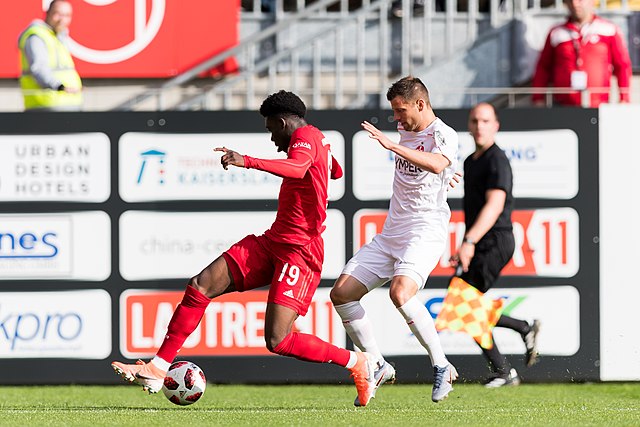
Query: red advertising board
[
  {"x": 547, "y": 241},
  {"x": 131, "y": 38},
  {"x": 233, "y": 324}
]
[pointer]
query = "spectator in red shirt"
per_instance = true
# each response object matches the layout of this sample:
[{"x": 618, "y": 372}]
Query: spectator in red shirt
[
  {"x": 581, "y": 54},
  {"x": 287, "y": 257}
]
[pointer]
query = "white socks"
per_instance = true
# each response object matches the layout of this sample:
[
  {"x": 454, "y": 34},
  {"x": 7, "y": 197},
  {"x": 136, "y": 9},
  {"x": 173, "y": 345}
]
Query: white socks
[
  {"x": 353, "y": 359},
  {"x": 359, "y": 328},
  {"x": 421, "y": 324},
  {"x": 160, "y": 363}
]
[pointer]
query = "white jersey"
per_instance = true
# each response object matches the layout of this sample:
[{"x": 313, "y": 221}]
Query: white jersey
[{"x": 420, "y": 195}]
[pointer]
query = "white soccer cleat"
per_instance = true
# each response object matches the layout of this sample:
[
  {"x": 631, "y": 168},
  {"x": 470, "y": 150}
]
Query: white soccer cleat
[
  {"x": 383, "y": 374},
  {"x": 147, "y": 375},
  {"x": 443, "y": 378}
]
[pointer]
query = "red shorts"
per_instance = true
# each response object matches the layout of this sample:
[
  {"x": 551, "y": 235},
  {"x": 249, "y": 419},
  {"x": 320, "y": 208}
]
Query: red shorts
[{"x": 292, "y": 271}]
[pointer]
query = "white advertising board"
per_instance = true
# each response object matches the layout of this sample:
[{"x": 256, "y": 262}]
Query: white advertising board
[
  {"x": 166, "y": 245},
  {"x": 557, "y": 307},
  {"x": 544, "y": 163},
  {"x": 154, "y": 166},
  {"x": 70, "y": 324},
  {"x": 65, "y": 168},
  {"x": 618, "y": 242},
  {"x": 71, "y": 245}
]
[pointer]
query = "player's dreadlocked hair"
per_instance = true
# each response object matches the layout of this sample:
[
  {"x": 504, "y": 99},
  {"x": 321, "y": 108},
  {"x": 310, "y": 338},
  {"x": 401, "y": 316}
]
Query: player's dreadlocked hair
[
  {"x": 282, "y": 104},
  {"x": 409, "y": 88}
]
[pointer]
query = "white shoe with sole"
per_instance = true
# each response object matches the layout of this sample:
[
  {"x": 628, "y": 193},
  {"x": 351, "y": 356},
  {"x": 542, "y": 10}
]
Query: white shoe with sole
[{"x": 443, "y": 378}]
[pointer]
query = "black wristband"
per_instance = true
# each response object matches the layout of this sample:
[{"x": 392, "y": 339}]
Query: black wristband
[
  {"x": 60, "y": 88},
  {"x": 469, "y": 241}
]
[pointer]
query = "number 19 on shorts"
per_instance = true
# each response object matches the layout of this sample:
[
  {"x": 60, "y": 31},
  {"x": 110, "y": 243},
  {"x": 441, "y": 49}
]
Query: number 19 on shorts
[{"x": 291, "y": 272}]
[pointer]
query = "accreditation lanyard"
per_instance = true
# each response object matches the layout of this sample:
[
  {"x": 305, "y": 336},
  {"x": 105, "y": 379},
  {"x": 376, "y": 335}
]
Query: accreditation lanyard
[
  {"x": 577, "y": 46},
  {"x": 578, "y": 76},
  {"x": 578, "y": 35}
]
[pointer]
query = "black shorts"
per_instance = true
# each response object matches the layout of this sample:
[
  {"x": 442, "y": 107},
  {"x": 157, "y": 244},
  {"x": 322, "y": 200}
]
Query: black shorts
[{"x": 492, "y": 253}]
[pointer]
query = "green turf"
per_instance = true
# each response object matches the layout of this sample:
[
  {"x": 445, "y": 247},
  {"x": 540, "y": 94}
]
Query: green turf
[{"x": 402, "y": 405}]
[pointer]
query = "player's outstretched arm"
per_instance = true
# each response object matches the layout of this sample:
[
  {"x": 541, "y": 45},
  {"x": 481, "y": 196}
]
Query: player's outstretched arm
[
  {"x": 230, "y": 158},
  {"x": 432, "y": 162},
  {"x": 295, "y": 166},
  {"x": 375, "y": 133}
]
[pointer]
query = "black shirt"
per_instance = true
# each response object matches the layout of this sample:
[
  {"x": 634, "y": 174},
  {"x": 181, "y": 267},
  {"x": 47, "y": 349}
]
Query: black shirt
[{"x": 490, "y": 171}]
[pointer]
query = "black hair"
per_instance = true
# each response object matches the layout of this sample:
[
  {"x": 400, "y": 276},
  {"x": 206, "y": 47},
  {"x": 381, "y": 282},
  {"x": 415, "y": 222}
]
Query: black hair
[
  {"x": 410, "y": 89},
  {"x": 281, "y": 104}
]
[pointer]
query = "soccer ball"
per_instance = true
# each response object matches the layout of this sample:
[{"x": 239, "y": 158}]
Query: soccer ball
[{"x": 184, "y": 384}]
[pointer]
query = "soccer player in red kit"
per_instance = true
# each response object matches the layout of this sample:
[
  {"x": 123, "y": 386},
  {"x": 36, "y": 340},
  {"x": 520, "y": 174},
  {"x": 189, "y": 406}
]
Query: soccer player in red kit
[{"x": 288, "y": 256}]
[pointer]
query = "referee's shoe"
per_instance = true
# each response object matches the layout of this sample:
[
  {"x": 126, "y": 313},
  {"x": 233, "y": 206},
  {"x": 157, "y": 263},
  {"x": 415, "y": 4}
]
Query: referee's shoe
[{"x": 531, "y": 343}]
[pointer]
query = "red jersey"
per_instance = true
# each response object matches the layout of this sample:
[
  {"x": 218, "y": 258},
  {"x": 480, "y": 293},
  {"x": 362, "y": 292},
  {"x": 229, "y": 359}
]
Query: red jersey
[
  {"x": 597, "y": 48},
  {"x": 303, "y": 198}
]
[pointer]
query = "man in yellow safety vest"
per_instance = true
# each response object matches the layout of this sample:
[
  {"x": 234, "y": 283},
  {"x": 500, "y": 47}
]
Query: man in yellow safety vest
[{"x": 49, "y": 80}]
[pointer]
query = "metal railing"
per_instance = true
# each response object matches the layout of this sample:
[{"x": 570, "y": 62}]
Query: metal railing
[
  {"x": 338, "y": 53},
  {"x": 504, "y": 97},
  {"x": 289, "y": 62},
  {"x": 513, "y": 97}
]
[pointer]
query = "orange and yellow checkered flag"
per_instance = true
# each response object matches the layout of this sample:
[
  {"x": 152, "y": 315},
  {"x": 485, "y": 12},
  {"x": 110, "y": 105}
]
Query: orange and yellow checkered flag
[{"x": 466, "y": 309}]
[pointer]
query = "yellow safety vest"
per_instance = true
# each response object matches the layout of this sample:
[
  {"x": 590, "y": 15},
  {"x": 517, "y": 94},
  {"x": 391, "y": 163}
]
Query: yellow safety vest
[{"x": 62, "y": 66}]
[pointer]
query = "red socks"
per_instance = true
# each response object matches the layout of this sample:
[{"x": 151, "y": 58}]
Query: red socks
[
  {"x": 184, "y": 321},
  {"x": 312, "y": 349},
  {"x": 190, "y": 311}
]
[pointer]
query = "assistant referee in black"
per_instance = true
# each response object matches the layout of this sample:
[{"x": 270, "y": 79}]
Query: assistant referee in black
[{"x": 488, "y": 243}]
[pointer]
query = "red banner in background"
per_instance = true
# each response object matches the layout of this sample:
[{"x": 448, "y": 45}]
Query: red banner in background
[
  {"x": 233, "y": 324},
  {"x": 132, "y": 38},
  {"x": 547, "y": 241}
]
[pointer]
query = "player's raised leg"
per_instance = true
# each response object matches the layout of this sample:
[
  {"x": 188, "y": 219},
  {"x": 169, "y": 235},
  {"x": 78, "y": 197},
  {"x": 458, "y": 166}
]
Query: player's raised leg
[{"x": 213, "y": 280}]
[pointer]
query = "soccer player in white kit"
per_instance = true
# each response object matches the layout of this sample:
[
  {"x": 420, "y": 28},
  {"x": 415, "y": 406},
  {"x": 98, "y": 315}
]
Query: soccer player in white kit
[{"x": 414, "y": 233}]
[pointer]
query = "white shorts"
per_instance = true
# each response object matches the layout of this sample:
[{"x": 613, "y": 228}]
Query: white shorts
[{"x": 413, "y": 255}]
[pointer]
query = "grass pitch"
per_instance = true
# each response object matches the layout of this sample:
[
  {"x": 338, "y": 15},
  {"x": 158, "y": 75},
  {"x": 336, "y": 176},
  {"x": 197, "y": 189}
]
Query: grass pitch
[{"x": 320, "y": 405}]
